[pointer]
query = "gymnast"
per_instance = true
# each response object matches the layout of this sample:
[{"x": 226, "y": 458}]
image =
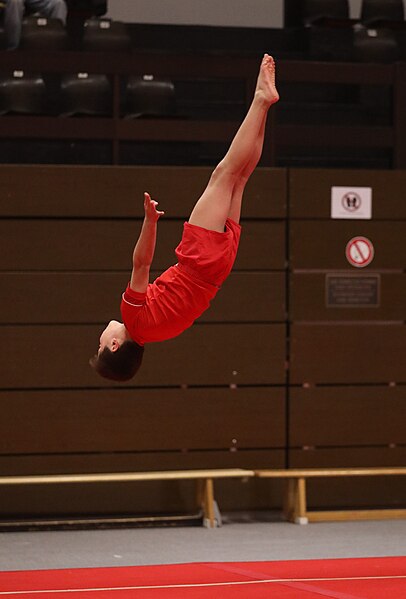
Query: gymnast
[{"x": 205, "y": 255}]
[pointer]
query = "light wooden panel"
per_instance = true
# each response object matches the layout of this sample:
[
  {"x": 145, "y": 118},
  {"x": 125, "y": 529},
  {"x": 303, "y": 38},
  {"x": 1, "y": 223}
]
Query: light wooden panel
[
  {"x": 347, "y": 416},
  {"x": 108, "y": 244},
  {"x": 141, "y": 420},
  {"x": 348, "y": 353},
  {"x": 113, "y": 191},
  {"x": 310, "y": 191},
  {"x": 94, "y": 297},
  {"x": 207, "y": 354}
]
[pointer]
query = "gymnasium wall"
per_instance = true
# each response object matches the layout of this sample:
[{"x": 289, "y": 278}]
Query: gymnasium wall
[
  {"x": 273, "y": 375},
  {"x": 230, "y": 13}
]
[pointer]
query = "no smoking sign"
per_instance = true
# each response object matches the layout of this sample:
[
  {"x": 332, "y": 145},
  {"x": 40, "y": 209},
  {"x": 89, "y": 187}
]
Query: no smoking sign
[{"x": 359, "y": 252}]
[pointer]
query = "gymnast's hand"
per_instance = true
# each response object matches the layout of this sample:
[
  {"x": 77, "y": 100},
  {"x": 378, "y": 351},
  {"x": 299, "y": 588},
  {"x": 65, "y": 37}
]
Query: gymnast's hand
[{"x": 151, "y": 213}]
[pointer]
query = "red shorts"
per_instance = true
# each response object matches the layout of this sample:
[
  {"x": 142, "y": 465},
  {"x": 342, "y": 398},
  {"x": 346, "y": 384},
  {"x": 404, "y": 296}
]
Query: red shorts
[{"x": 209, "y": 255}]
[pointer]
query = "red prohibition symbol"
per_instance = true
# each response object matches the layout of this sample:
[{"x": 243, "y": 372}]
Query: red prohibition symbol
[{"x": 359, "y": 252}]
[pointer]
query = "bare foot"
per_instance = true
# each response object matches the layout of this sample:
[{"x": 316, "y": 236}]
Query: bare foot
[{"x": 266, "y": 87}]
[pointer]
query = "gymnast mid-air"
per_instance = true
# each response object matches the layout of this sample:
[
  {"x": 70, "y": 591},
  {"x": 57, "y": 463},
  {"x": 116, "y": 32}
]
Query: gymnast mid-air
[{"x": 205, "y": 256}]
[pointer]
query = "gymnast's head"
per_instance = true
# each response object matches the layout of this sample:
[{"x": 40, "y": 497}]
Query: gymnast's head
[{"x": 118, "y": 357}]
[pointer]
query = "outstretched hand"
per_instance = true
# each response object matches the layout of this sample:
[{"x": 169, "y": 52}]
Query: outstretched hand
[{"x": 151, "y": 213}]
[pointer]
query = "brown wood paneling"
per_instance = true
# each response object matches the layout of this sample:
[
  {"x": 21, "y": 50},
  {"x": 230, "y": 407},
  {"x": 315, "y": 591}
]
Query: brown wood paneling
[
  {"x": 266, "y": 194},
  {"x": 141, "y": 420},
  {"x": 262, "y": 246},
  {"x": 310, "y": 191},
  {"x": 61, "y": 297},
  {"x": 343, "y": 416},
  {"x": 139, "y": 461},
  {"x": 308, "y": 299},
  {"x": 321, "y": 245},
  {"x": 94, "y": 297},
  {"x": 108, "y": 244},
  {"x": 341, "y": 457},
  {"x": 79, "y": 244},
  {"x": 249, "y": 296},
  {"x": 107, "y": 191},
  {"x": 356, "y": 491},
  {"x": 355, "y": 353},
  {"x": 207, "y": 354}
]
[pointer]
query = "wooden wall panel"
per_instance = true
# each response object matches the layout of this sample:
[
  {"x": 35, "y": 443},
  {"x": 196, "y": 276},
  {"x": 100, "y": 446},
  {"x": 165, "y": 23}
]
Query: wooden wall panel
[
  {"x": 117, "y": 191},
  {"x": 348, "y": 457},
  {"x": 353, "y": 353},
  {"x": 140, "y": 461},
  {"x": 308, "y": 299},
  {"x": 265, "y": 195},
  {"x": 310, "y": 191},
  {"x": 262, "y": 246},
  {"x": 347, "y": 416},
  {"x": 321, "y": 245},
  {"x": 87, "y": 244},
  {"x": 141, "y": 420},
  {"x": 61, "y": 297},
  {"x": 94, "y": 297},
  {"x": 207, "y": 354},
  {"x": 250, "y": 296},
  {"x": 108, "y": 244}
]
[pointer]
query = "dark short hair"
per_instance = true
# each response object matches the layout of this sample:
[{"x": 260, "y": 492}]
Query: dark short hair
[{"x": 120, "y": 365}]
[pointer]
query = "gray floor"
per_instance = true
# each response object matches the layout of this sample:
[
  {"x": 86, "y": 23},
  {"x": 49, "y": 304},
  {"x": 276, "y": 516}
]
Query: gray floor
[{"x": 237, "y": 540}]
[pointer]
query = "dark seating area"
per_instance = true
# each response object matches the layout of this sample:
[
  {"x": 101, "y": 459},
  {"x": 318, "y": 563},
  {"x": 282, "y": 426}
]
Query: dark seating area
[{"x": 106, "y": 92}]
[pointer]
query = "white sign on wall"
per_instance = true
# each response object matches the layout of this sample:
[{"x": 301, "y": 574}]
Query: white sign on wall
[{"x": 351, "y": 202}]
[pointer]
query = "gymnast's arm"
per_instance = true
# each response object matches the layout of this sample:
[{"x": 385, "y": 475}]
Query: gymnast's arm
[{"x": 145, "y": 246}]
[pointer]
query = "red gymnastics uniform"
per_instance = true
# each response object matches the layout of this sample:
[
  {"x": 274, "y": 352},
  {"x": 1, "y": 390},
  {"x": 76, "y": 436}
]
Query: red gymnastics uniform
[{"x": 183, "y": 292}]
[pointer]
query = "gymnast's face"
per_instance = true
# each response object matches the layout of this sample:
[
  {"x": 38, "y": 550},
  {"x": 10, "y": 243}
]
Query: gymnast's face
[{"x": 111, "y": 337}]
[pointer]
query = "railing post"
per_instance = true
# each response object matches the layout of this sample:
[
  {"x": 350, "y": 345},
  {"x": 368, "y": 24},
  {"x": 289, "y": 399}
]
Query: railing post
[
  {"x": 399, "y": 116},
  {"x": 116, "y": 118}
]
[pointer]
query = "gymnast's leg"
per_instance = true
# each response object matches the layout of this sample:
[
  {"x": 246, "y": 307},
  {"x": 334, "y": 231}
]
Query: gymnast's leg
[{"x": 223, "y": 195}]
